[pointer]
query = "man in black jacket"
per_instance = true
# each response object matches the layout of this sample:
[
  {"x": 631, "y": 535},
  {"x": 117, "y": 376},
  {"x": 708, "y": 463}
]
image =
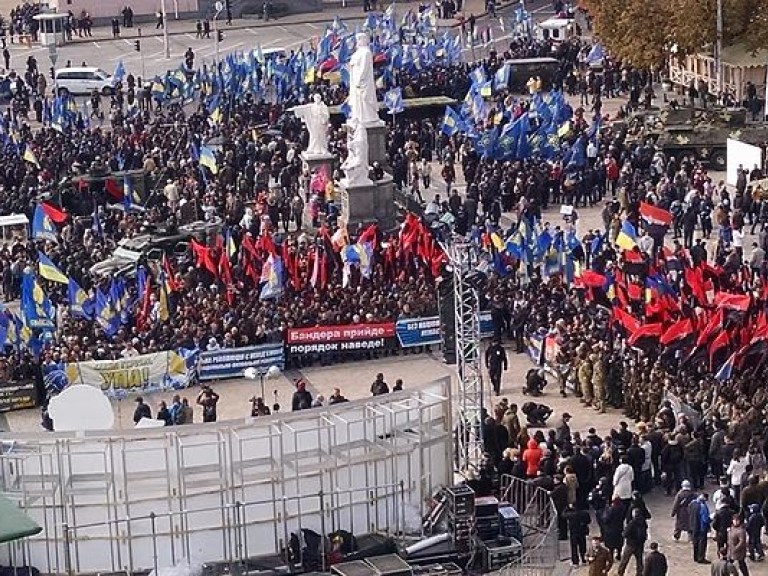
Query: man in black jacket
[
  {"x": 613, "y": 522},
  {"x": 496, "y": 362},
  {"x": 578, "y": 529},
  {"x": 302, "y": 398},
  {"x": 655, "y": 562},
  {"x": 142, "y": 410},
  {"x": 559, "y": 497},
  {"x": 635, "y": 535}
]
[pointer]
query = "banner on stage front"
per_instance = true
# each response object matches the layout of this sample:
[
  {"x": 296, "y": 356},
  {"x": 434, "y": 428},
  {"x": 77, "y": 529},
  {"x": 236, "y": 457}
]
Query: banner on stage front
[
  {"x": 418, "y": 331},
  {"x": 486, "y": 324},
  {"x": 338, "y": 339},
  {"x": 148, "y": 372},
  {"x": 230, "y": 362}
]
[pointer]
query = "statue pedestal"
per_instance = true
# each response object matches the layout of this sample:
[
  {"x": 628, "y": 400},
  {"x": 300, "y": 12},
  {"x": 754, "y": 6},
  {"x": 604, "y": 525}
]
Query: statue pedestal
[
  {"x": 367, "y": 204},
  {"x": 314, "y": 161},
  {"x": 377, "y": 143}
]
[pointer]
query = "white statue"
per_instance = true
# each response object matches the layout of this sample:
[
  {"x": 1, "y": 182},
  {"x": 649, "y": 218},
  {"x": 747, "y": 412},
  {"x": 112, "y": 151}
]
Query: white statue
[
  {"x": 316, "y": 117},
  {"x": 356, "y": 165},
  {"x": 362, "y": 86}
]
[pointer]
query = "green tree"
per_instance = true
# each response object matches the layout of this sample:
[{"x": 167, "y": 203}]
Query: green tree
[
  {"x": 642, "y": 31},
  {"x": 629, "y": 30}
]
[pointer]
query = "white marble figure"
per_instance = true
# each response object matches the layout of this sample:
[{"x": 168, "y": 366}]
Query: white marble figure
[
  {"x": 362, "y": 86},
  {"x": 356, "y": 165},
  {"x": 316, "y": 117}
]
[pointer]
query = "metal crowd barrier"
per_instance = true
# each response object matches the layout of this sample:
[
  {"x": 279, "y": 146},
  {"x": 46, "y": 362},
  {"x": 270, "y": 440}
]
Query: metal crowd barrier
[{"x": 538, "y": 518}]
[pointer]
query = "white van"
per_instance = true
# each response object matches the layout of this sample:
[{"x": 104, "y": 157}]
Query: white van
[
  {"x": 555, "y": 29},
  {"x": 84, "y": 81}
]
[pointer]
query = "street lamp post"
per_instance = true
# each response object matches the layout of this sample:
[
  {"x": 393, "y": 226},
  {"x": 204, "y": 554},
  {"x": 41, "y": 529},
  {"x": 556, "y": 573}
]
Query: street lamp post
[
  {"x": 719, "y": 47},
  {"x": 219, "y": 6},
  {"x": 166, "y": 42},
  {"x": 53, "y": 55},
  {"x": 262, "y": 374}
]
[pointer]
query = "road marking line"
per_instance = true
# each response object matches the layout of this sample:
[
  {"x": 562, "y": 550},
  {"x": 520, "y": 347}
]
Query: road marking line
[
  {"x": 158, "y": 39},
  {"x": 271, "y": 43},
  {"x": 128, "y": 42},
  {"x": 313, "y": 26},
  {"x": 96, "y": 44},
  {"x": 190, "y": 36},
  {"x": 124, "y": 57},
  {"x": 284, "y": 29}
]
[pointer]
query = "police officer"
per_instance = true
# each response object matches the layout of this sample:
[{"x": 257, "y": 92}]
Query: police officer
[{"x": 496, "y": 362}]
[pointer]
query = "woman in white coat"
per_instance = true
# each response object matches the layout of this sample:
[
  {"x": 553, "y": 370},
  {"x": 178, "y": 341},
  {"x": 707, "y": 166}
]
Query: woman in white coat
[{"x": 622, "y": 482}]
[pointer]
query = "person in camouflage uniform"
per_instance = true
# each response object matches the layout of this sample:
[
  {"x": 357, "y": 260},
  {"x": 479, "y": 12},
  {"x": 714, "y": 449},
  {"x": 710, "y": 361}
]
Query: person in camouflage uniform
[
  {"x": 585, "y": 378},
  {"x": 598, "y": 378}
]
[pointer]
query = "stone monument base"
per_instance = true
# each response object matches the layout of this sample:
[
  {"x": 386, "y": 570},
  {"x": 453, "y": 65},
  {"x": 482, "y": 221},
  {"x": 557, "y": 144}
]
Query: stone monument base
[
  {"x": 313, "y": 162},
  {"x": 377, "y": 143},
  {"x": 368, "y": 204}
]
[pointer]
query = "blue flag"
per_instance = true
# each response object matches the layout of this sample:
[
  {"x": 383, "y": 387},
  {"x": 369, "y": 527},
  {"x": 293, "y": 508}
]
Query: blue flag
[
  {"x": 42, "y": 225},
  {"x": 452, "y": 123},
  {"x": 393, "y": 100},
  {"x": 79, "y": 303},
  {"x": 36, "y": 308},
  {"x": 501, "y": 80},
  {"x": 106, "y": 317}
]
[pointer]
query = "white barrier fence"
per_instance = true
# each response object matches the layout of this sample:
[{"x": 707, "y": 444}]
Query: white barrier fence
[{"x": 227, "y": 491}]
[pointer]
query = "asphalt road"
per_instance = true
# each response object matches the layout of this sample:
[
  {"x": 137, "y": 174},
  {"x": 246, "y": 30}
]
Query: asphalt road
[{"x": 287, "y": 34}]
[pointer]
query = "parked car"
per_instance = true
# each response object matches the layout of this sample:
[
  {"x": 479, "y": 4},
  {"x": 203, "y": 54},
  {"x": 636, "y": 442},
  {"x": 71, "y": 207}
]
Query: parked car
[{"x": 84, "y": 81}]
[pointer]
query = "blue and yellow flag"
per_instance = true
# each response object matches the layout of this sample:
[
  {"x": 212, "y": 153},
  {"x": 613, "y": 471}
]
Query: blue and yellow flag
[
  {"x": 117, "y": 294},
  {"x": 43, "y": 227},
  {"x": 49, "y": 270},
  {"x": 9, "y": 329},
  {"x": 106, "y": 316},
  {"x": 79, "y": 303},
  {"x": 208, "y": 159},
  {"x": 627, "y": 237},
  {"x": 36, "y": 309}
]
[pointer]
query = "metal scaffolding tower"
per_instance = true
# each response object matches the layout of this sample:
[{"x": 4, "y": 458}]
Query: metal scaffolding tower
[{"x": 469, "y": 444}]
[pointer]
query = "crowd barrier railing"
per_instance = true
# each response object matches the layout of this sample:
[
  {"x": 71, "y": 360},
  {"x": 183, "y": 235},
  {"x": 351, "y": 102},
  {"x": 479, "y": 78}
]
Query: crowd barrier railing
[{"x": 538, "y": 519}]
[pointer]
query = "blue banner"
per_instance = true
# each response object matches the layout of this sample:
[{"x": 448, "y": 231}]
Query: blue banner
[
  {"x": 418, "y": 331},
  {"x": 535, "y": 344},
  {"x": 423, "y": 331},
  {"x": 486, "y": 325},
  {"x": 231, "y": 362}
]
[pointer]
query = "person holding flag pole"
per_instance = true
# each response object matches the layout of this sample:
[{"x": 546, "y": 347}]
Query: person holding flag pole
[{"x": 393, "y": 100}]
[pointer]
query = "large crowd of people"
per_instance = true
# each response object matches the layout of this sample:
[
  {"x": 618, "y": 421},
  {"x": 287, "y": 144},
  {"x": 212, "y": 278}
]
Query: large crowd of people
[
  {"x": 605, "y": 338},
  {"x": 260, "y": 187}
]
